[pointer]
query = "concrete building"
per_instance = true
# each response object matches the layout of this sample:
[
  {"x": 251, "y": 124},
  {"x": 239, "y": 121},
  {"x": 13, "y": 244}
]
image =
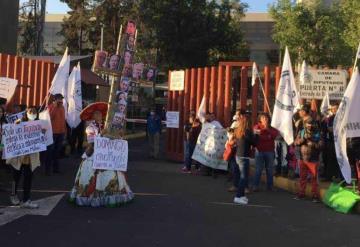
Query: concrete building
[
  {"x": 52, "y": 27},
  {"x": 257, "y": 28},
  {"x": 9, "y": 15}
]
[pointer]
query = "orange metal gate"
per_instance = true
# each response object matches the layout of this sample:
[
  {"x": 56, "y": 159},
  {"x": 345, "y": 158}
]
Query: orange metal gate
[
  {"x": 34, "y": 78},
  {"x": 215, "y": 84}
]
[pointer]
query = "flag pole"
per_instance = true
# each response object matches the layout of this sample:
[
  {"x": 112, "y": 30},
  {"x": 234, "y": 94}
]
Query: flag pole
[
  {"x": 356, "y": 57},
  {"x": 263, "y": 91}
]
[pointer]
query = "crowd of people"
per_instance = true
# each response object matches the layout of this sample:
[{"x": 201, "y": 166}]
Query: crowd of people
[
  {"x": 24, "y": 166},
  {"x": 311, "y": 156}
]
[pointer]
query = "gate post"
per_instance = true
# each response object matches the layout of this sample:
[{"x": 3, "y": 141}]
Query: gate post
[
  {"x": 192, "y": 90},
  {"x": 243, "y": 87},
  {"x": 213, "y": 90},
  {"x": 220, "y": 98},
  {"x": 277, "y": 79},
  {"x": 200, "y": 87},
  {"x": 227, "y": 104},
  {"x": 206, "y": 87},
  {"x": 266, "y": 87},
  {"x": 187, "y": 88}
]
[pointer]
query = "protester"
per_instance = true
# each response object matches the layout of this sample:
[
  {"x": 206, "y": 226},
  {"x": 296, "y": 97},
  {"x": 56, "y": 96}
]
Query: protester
[
  {"x": 265, "y": 146},
  {"x": 309, "y": 140},
  {"x": 154, "y": 131},
  {"x": 353, "y": 151},
  {"x": 24, "y": 165},
  {"x": 76, "y": 138},
  {"x": 193, "y": 136},
  {"x": 331, "y": 166},
  {"x": 244, "y": 140},
  {"x": 281, "y": 151},
  {"x": 57, "y": 116},
  {"x": 93, "y": 187},
  {"x": 187, "y": 129}
]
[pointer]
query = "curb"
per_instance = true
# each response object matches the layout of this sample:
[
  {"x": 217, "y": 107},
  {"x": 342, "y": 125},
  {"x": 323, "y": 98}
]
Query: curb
[{"x": 292, "y": 185}]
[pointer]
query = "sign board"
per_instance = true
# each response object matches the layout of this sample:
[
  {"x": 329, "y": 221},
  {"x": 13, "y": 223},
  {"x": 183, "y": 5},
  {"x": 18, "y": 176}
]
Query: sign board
[
  {"x": 23, "y": 138},
  {"x": 172, "y": 119},
  {"x": 13, "y": 117},
  {"x": 177, "y": 80},
  {"x": 321, "y": 81},
  {"x": 210, "y": 147},
  {"x": 7, "y": 87},
  {"x": 110, "y": 154}
]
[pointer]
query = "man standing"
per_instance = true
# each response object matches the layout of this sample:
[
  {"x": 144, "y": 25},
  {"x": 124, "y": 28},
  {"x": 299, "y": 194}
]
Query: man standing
[
  {"x": 57, "y": 116},
  {"x": 153, "y": 131}
]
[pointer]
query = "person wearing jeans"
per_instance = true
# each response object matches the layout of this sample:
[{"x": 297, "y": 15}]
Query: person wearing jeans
[
  {"x": 193, "y": 136},
  {"x": 264, "y": 155},
  {"x": 244, "y": 139},
  {"x": 57, "y": 116}
]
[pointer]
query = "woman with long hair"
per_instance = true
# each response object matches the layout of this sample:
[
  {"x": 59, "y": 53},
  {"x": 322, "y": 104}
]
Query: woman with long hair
[{"x": 244, "y": 140}]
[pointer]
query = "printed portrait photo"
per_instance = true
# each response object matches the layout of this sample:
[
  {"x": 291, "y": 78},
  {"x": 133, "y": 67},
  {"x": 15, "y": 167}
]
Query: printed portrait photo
[
  {"x": 127, "y": 71},
  {"x": 114, "y": 62},
  {"x": 130, "y": 28},
  {"x": 122, "y": 106},
  {"x": 100, "y": 59},
  {"x": 137, "y": 71},
  {"x": 130, "y": 45},
  {"x": 149, "y": 74},
  {"x": 121, "y": 96}
]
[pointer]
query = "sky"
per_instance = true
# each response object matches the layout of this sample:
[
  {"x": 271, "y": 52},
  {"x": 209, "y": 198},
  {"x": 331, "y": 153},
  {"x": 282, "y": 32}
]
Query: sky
[{"x": 57, "y": 7}]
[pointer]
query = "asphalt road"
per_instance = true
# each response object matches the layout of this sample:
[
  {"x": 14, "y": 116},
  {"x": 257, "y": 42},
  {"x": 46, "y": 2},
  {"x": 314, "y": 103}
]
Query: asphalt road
[{"x": 174, "y": 209}]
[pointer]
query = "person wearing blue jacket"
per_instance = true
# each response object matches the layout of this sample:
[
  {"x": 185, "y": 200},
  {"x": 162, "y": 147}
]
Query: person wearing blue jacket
[{"x": 153, "y": 129}]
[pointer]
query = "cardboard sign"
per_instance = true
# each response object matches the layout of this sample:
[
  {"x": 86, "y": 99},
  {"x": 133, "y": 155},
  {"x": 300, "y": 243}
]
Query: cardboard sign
[
  {"x": 172, "y": 119},
  {"x": 7, "y": 87},
  {"x": 44, "y": 117},
  {"x": 13, "y": 117},
  {"x": 210, "y": 147},
  {"x": 110, "y": 154},
  {"x": 21, "y": 139},
  {"x": 321, "y": 81},
  {"x": 177, "y": 80}
]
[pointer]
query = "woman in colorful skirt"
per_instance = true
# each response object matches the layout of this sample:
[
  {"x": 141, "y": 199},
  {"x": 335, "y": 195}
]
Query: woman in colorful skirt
[{"x": 95, "y": 187}]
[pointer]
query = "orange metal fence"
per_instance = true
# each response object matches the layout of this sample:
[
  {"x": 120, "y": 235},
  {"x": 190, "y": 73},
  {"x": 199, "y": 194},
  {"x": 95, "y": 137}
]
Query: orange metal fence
[
  {"x": 34, "y": 78},
  {"x": 216, "y": 84}
]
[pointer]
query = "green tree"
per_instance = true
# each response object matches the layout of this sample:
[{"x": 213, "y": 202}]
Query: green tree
[
  {"x": 350, "y": 10},
  {"x": 77, "y": 27},
  {"x": 194, "y": 32},
  {"x": 32, "y": 17},
  {"x": 312, "y": 32}
]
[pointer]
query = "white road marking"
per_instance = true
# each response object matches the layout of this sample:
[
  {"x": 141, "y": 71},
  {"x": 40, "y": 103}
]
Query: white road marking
[
  {"x": 248, "y": 205},
  {"x": 46, "y": 205},
  {"x": 68, "y": 191}
]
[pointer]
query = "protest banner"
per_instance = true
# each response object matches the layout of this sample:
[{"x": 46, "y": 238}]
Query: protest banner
[
  {"x": 110, "y": 154},
  {"x": 23, "y": 138},
  {"x": 320, "y": 82},
  {"x": 7, "y": 87},
  {"x": 210, "y": 147},
  {"x": 177, "y": 80},
  {"x": 172, "y": 119},
  {"x": 13, "y": 117}
]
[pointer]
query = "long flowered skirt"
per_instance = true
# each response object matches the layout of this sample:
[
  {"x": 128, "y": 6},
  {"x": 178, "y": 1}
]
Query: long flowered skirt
[{"x": 98, "y": 188}]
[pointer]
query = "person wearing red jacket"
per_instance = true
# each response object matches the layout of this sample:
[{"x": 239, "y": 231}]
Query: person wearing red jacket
[{"x": 265, "y": 147}]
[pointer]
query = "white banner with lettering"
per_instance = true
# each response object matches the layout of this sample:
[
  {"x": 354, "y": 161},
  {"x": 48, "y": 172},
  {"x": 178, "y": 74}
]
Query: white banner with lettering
[
  {"x": 23, "y": 138},
  {"x": 13, "y": 117},
  {"x": 177, "y": 79},
  {"x": 110, "y": 154},
  {"x": 210, "y": 147},
  {"x": 7, "y": 87},
  {"x": 172, "y": 119},
  {"x": 320, "y": 82}
]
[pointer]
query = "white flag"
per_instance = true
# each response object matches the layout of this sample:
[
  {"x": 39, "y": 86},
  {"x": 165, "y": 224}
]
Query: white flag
[
  {"x": 44, "y": 116},
  {"x": 304, "y": 73},
  {"x": 347, "y": 123},
  {"x": 58, "y": 84},
  {"x": 74, "y": 97},
  {"x": 287, "y": 99},
  {"x": 358, "y": 53},
  {"x": 255, "y": 74},
  {"x": 325, "y": 104},
  {"x": 202, "y": 111}
]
